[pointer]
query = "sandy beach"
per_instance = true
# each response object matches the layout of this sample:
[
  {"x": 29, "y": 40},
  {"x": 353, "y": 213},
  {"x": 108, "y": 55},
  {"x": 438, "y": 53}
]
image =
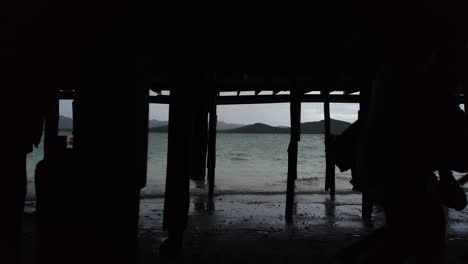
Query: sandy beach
[{"x": 252, "y": 229}]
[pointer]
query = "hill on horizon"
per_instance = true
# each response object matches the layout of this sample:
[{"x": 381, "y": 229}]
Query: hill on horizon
[
  {"x": 66, "y": 124},
  {"x": 157, "y": 123},
  {"x": 258, "y": 128},
  {"x": 154, "y": 123},
  {"x": 317, "y": 127}
]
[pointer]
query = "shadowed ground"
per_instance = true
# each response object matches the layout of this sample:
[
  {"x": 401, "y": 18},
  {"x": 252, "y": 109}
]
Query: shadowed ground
[{"x": 252, "y": 229}]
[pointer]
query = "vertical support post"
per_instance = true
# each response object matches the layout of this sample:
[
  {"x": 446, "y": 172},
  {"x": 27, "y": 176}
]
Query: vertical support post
[
  {"x": 179, "y": 163},
  {"x": 51, "y": 124},
  {"x": 295, "y": 113},
  {"x": 76, "y": 121},
  {"x": 200, "y": 110},
  {"x": 364, "y": 97},
  {"x": 115, "y": 167},
  {"x": 367, "y": 207},
  {"x": 211, "y": 165},
  {"x": 330, "y": 164},
  {"x": 139, "y": 150},
  {"x": 465, "y": 97}
]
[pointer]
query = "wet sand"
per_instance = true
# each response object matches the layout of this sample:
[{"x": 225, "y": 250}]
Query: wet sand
[{"x": 252, "y": 229}]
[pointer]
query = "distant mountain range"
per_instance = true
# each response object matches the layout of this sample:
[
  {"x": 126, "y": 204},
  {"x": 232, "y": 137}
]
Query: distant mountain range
[
  {"x": 317, "y": 127},
  {"x": 221, "y": 125},
  {"x": 66, "y": 124},
  {"x": 156, "y": 126},
  {"x": 224, "y": 126},
  {"x": 157, "y": 123}
]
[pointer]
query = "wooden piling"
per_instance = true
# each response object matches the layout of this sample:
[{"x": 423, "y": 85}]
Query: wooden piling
[
  {"x": 178, "y": 160},
  {"x": 139, "y": 164},
  {"x": 330, "y": 164},
  {"x": 200, "y": 112},
  {"x": 51, "y": 124},
  {"x": 211, "y": 165},
  {"x": 114, "y": 166},
  {"x": 295, "y": 113},
  {"x": 367, "y": 204},
  {"x": 465, "y": 97}
]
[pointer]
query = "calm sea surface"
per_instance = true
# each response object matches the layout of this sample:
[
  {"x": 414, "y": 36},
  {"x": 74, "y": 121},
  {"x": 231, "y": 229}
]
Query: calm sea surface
[{"x": 246, "y": 163}]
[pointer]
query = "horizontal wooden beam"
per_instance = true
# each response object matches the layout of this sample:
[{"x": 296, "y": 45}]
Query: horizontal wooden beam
[
  {"x": 267, "y": 99},
  {"x": 66, "y": 95},
  {"x": 255, "y": 99},
  {"x": 158, "y": 91},
  {"x": 162, "y": 99}
]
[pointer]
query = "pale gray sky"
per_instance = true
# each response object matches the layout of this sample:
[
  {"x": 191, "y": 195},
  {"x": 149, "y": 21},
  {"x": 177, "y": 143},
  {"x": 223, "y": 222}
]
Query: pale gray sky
[{"x": 272, "y": 114}]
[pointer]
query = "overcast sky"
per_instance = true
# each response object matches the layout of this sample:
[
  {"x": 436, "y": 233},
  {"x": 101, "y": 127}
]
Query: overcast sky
[{"x": 273, "y": 114}]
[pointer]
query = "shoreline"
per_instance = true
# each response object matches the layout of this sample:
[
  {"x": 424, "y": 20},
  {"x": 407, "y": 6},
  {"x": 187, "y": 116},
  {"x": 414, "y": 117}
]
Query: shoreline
[
  {"x": 245, "y": 228},
  {"x": 204, "y": 193},
  {"x": 252, "y": 229}
]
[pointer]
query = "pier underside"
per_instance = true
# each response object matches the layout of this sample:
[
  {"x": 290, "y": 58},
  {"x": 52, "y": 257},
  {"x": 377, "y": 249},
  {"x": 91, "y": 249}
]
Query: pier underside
[{"x": 405, "y": 64}]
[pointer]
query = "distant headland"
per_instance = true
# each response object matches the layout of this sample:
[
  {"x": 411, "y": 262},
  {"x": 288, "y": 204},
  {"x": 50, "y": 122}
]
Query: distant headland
[{"x": 318, "y": 127}]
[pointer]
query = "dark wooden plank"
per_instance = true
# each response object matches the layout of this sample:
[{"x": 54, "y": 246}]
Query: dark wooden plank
[
  {"x": 463, "y": 98},
  {"x": 295, "y": 113},
  {"x": 158, "y": 91},
  {"x": 367, "y": 207},
  {"x": 66, "y": 94},
  {"x": 212, "y": 147},
  {"x": 367, "y": 204},
  {"x": 330, "y": 165},
  {"x": 200, "y": 109},
  {"x": 179, "y": 159},
  {"x": 51, "y": 125},
  {"x": 268, "y": 99}
]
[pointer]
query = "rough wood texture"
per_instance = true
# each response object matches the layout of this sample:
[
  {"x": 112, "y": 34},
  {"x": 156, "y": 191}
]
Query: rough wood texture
[
  {"x": 212, "y": 146},
  {"x": 51, "y": 125},
  {"x": 179, "y": 159},
  {"x": 295, "y": 112},
  {"x": 330, "y": 165},
  {"x": 367, "y": 204},
  {"x": 200, "y": 135}
]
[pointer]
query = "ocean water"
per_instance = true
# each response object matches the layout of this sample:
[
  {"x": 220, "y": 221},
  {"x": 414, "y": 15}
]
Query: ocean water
[
  {"x": 245, "y": 163},
  {"x": 251, "y": 164},
  {"x": 254, "y": 164}
]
